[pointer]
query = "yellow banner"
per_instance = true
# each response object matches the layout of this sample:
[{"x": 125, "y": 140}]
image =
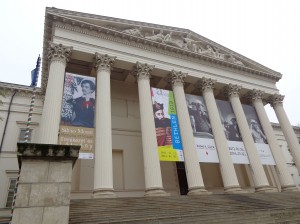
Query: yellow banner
[{"x": 167, "y": 153}]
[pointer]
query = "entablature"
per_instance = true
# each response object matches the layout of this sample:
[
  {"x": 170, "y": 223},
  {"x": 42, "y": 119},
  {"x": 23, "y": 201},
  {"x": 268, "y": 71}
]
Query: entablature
[{"x": 136, "y": 35}]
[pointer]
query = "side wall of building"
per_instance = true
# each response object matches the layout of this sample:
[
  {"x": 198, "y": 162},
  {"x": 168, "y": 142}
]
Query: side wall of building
[{"x": 287, "y": 154}]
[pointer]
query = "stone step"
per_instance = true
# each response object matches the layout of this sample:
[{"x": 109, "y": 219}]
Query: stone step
[{"x": 245, "y": 208}]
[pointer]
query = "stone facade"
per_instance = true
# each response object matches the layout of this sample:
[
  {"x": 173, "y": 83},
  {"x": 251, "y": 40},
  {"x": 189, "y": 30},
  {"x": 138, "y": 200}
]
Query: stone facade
[{"x": 127, "y": 58}]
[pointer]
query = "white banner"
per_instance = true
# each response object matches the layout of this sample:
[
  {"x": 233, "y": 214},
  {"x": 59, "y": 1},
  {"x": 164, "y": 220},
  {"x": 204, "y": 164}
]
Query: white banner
[
  {"x": 237, "y": 152},
  {"x": 265, "y": 154},
  {"x": 206, "y": 149}
]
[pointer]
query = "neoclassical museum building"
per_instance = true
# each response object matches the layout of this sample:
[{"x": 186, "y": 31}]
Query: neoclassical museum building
[{"x": 157, "y": 110}]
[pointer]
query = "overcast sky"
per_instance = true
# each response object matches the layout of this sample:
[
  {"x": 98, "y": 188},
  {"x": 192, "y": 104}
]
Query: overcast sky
[{"x": 266, "y": 31}]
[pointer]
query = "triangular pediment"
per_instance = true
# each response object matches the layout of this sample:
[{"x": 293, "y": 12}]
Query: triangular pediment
[{"x": 182, "y": 41}]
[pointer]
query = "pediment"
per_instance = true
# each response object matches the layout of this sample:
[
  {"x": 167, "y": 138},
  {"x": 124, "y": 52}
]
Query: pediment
[{"x": 182, "y": 41}]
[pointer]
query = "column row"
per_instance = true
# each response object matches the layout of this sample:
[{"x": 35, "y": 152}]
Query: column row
[{"x": 103, "y": 177}]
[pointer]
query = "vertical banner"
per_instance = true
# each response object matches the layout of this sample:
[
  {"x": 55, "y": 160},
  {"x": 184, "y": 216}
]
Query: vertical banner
[
  {"x": 166, "y": 125},
  {"x": 258, "y": 135},
  {"x": 77, "y": 114},
  {"x": 204, "y": 140},
  {"x": 232, "y": 132}
]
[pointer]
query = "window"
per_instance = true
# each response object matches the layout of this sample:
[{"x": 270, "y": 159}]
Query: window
[
  {"x": 10, "y": 193},
  {"x": 22, "y": 135}
]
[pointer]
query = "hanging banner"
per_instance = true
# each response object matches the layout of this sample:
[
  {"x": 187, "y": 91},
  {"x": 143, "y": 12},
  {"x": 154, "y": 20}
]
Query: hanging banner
[
  {"x": 77, "y": 114},
  {"x": 258, "y": 135},
  {"x": 234, "y": 139},
  {"x": 204, "y": 140},
  {"x": 166, "y": 125}
]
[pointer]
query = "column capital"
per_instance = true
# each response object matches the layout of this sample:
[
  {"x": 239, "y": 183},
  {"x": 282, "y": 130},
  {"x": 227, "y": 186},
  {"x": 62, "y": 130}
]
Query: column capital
[
  {"x": 143, "y": 71},
  {"x": 176, "y": 78},
  {"x": 232, "y": 90},
  {"x": 206, "y": 84},
  {"x": 59, "y": 52},
  {"x": 104, "y": 62},
  {"x": 276, "y": 100},
  {"x": 255, "y": 95}
]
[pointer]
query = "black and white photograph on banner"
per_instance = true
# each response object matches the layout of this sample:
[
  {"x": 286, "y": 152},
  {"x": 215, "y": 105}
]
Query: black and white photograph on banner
[
  {"x": 254, "y": 125},
  {"x": 203, "y": 136},
  {"x": 78, "y": 106},
  {"x": 234, "y": 138},
  {"x": 258, "y": 135},
  {"x": 229, "y": 122},
  {"x": 198, "y": 115}
]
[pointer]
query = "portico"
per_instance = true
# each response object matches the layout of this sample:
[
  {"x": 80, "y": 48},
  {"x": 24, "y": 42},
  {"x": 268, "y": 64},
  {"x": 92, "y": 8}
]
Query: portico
[{"x": 126, "y": 62}]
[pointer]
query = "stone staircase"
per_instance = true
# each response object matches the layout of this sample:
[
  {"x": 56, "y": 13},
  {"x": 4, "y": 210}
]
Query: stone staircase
[{"x": 226, "y": 208}]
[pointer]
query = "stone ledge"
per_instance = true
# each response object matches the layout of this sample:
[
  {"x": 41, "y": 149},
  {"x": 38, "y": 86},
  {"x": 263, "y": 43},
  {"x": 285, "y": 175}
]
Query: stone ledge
[{"x": 49, "y": 152}]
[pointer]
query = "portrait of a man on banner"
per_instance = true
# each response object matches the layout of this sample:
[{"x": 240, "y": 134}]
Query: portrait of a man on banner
[
  {"x": 166, "y": 125},
  {"x": 162, "y": 125},
  {"x": 78, "y": 107}
]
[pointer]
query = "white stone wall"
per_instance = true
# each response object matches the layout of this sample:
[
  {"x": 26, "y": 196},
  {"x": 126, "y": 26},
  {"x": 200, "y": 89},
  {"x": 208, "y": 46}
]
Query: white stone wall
[
  {"x": 287, "y": 155},
  {"x": 17, "y": 120}
]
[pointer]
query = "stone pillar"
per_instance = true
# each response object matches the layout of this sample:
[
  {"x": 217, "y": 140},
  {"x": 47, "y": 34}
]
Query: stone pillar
[
  {"x": 153, "y": 180},
  {"x": 103, "y": 171},
  {"x": 43, "y": 194},
  {"x": 259, "y": 176},
  {"x": 286, "y": 127},
  {"x": 287, "y": 183},
  {"x": 192, "y": 167},
  {"x": 58, "y": 56},
  {"x": 230, "y": 181}
]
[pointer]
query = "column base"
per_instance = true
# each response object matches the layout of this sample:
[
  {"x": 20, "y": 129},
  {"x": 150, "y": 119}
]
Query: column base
[
  {"x": 198, "y": 191},
  {"x": 155, "y": 192},
  {"x": 104, "y": 193},
  {"x": 265, "y": 189},
  {"x": 290, "y": 188},
  {"x": 234, "y": 190}
]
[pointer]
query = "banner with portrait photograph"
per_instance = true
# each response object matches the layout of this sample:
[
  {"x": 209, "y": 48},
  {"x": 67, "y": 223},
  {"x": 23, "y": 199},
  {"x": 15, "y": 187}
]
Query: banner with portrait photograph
[
  {"x": 166, "y": 125},
  {"x": 258, "y": 135},
  {"x": 77, "y": 114},
  {"x": 204, "y": 139},
  {"x": 234, "y": 139}
]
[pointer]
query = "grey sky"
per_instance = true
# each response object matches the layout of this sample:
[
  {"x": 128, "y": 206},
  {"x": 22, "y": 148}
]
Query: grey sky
[{"x": 266, "y": 31}]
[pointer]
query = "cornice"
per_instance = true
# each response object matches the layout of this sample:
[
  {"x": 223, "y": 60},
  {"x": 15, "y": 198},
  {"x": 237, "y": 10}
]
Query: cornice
[
  {"x": 55, "y": 19},
  {"x": 23, "y": 91}
]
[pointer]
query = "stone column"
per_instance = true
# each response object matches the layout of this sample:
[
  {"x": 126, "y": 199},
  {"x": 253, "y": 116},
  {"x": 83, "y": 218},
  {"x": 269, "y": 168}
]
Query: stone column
[
  {"x": 287, "y": 183},
  {"x": 43, "y": 194},
  {"x": 228, "y": 173},
  {"x": 153, "y": 180},
  {"x": 259, "y": 176},
  {"x": 192, "y": 167},
  {"x": 58, "y": 56},
  {"x": 286, "y": 127},
  {"x": 103, "y": 173}
]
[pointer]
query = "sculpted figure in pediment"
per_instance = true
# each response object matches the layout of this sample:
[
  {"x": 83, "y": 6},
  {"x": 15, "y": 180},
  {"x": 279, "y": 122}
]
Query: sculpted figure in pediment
[
  {"x": 190, "y": 44},
  {"x": 209, "y": 51},
  {"x": 134, "y": 31},
  {"x": 169, "y": 39},
  {"x": 234, "y": 60},
  {"x": 159, "y": 37},
  {"x": 219, "y": 54}
]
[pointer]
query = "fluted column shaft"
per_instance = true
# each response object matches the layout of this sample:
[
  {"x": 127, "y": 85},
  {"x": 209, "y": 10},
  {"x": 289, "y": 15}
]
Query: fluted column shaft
[
  {"x": 103, "y": 171},
  {"x": 153, "y": 179},
  {"x": 49, "y": 128},
  {"x": 228, "y": 173},
  {"x": 259, "y": 175},
  {"x": 193, "y": 171},
  {"x": 285, "y": 178},
  {"x": 286, "y": 127}
]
